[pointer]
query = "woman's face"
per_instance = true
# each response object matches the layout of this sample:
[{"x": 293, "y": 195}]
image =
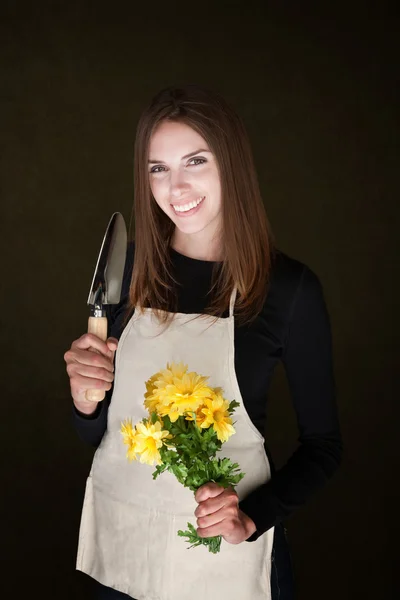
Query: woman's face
[{"x": 184, "y": 180}]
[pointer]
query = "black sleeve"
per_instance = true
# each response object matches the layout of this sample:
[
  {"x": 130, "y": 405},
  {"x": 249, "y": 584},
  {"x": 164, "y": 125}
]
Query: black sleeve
[
  {"x": 308, "y": 364},
  {"x": 91, "y": 428}
]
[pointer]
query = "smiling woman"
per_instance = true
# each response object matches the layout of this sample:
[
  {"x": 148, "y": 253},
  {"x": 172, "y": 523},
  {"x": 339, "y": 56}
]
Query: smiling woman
[
  {"x": 204, "y": 286},
  {"x": 196, "y": 191}
]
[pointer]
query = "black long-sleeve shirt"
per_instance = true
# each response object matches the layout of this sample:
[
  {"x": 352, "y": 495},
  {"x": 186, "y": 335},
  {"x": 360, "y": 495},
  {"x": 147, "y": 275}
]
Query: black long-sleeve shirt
[{"x": 293, "y": 327}]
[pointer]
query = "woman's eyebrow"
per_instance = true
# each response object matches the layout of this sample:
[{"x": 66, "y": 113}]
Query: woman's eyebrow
[{"x": 153, "y": 161}]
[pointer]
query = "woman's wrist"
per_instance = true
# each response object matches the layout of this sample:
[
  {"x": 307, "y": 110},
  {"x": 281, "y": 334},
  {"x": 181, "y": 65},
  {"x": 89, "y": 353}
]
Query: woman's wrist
[{"x": 249, "y": 525}]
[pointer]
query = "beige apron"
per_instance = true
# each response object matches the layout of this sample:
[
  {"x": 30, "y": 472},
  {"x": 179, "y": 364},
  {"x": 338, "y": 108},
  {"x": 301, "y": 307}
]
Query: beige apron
[{"x": 128, "y": 535}]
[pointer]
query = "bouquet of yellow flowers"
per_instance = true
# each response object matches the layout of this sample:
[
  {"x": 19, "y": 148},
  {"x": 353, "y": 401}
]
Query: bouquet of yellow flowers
[{"x": 188, "y": 423}]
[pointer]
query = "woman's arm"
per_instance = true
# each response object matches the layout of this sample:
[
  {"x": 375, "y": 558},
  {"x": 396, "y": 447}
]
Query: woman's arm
[{"x": 308, "y": 364}]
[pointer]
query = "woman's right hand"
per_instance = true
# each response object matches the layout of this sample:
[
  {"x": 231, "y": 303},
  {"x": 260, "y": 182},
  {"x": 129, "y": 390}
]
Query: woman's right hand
[{"x": 90, "y": 369}]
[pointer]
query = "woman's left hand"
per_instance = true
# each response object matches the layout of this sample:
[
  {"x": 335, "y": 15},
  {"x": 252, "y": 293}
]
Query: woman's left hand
[{"x": 218, "y": 513}]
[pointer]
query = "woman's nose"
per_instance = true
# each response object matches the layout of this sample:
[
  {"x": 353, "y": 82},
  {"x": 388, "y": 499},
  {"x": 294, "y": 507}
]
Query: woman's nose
[{"x": 178, "y": 185}]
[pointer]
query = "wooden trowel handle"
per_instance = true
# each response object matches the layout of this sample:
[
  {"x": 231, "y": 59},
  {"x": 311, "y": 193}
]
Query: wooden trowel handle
[{"x": 97, "y": 326}]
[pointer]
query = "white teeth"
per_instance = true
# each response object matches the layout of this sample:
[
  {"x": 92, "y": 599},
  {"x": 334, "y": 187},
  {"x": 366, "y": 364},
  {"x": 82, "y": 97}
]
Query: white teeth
[{"x": 189, "y": 206}]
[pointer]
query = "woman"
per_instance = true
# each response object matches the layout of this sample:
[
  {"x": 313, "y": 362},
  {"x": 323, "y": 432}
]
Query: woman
[{"x": 223, "y": 299}]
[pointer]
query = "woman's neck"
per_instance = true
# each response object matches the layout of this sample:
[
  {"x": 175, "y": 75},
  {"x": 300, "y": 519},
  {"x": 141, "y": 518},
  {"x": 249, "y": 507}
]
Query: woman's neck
[{"x": 199, "y": 249}]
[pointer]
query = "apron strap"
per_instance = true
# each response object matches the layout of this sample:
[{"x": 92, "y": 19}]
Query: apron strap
[{"x": 232, "y": 301}]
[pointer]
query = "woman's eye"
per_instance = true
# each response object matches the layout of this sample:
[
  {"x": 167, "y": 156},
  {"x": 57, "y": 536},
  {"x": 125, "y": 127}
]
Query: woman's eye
[
  {"x": 153, "y": 170},
  {"x": 199, "y": 161}
]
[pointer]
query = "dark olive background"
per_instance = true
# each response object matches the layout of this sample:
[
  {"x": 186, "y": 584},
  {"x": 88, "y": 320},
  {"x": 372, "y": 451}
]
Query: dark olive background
[{"x": 317, "y": 94}]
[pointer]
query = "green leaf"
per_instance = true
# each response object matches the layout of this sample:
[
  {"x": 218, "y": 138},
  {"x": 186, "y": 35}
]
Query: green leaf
[
  {"x": 213, "y": 543},
  {"x": 159, "y": 469},
  {"x": 180, "y": 472},
  {"x": 167, "y": 423},
  {"x": 232, "y": 406}
]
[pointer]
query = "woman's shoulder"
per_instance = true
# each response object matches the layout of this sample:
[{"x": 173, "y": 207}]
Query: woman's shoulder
[
  {"x": 285, "y": 269},
  {"x": 289, "y": 276}
]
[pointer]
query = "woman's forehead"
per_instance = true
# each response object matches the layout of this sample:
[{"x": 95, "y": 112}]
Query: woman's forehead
[{"x": 175, "y": 137}]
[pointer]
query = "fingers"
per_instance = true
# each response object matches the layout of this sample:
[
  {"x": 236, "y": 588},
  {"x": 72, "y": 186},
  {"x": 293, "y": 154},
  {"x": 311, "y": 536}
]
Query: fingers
[
  {"x": 229, "y": 526},
  {"x": 90, "y": 358},
  {"x": 82, "y": 351},
  {"x": 208, "y": 490},
  {"x": 89, "y": 340},
  {"x": 226, "y": 497},
  {"x": 80, "y": 384},
  {"x": 229, "y": 512},
  {"x": 226, "y": 528},
  {"x": 99, "y": 368},
  {"x": 112, "y": 343}
]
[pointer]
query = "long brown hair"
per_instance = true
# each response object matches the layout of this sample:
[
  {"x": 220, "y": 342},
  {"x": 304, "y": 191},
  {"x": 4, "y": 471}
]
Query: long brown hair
[{"x": 247, "y": 244}]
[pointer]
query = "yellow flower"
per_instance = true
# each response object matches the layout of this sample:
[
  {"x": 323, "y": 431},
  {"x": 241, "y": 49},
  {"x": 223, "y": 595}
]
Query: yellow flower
[
  {"x": 151, "y": 399},
  {"x": 129, "y": 434},
  {"x": 200, "y": 416},
  {"x": 216, "y": 413},
  {"x": 174, "y": 370},
  {"x": 157, "y": 383},
  {"x": 149, "y": 440},
  {"x": 185, "y": 394}
]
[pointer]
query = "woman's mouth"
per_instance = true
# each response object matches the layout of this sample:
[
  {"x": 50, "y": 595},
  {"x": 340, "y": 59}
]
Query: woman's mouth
[{"x": 185, "y": 210}]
